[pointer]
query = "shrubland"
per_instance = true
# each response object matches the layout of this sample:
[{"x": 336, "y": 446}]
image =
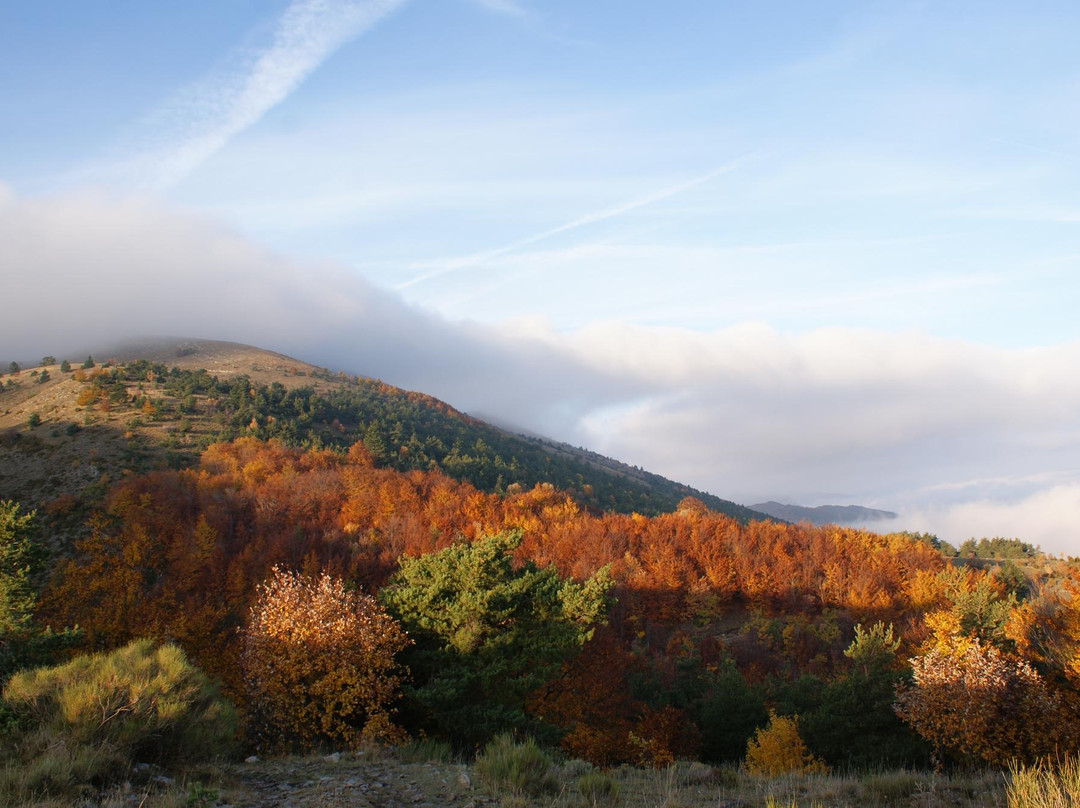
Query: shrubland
[
  {"x": 86, "y": 722},
  {"x": 170, "y": 414}
]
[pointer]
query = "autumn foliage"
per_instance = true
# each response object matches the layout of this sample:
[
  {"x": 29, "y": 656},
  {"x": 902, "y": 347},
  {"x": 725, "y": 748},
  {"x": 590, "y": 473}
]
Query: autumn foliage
[
  {"x": 698, "y": 598},
  {"x": 319, "y": 664},
  {"x": 978, "y": 702},
  {"x": 777, "y": 749}
]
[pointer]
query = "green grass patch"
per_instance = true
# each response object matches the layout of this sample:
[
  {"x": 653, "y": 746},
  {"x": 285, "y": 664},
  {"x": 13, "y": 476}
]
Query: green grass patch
[
  {"x": 81, "y": 725},
  {"x": 516, "y": 767}
]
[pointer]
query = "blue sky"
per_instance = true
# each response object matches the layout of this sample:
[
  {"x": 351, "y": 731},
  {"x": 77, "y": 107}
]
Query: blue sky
[{"x": 838, "y": 239}]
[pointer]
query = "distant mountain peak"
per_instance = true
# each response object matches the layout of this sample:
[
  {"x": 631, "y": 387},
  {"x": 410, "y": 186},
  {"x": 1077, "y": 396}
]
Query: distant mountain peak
[{"x": 823, "y": 514}]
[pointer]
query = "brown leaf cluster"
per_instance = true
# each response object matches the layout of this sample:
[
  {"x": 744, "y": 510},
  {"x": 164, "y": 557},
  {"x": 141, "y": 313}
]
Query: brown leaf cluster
[
  {"x": 319, "y": 665},
  {"x": 977, "y": 701}
]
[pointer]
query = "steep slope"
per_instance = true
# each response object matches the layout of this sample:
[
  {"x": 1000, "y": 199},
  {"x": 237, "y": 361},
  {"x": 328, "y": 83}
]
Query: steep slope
[{"x": 157, "y": 404}]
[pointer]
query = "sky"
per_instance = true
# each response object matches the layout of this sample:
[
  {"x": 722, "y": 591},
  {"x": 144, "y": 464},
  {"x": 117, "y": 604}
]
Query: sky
[{"x": 824, "y": 253}]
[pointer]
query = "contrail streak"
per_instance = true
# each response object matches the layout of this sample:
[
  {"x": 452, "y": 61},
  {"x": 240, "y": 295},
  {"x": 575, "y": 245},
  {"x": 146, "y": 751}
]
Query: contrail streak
[
  {"x": 202, "y": 118},
  {"x": 1032, "y": 147},
  {"x": 452, "y": 265}
]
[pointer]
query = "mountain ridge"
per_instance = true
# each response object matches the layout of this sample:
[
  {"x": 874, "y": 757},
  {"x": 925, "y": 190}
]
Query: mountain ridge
[
  {"x": 823, "y": 514},
  {"x": 156, "y": 403}
]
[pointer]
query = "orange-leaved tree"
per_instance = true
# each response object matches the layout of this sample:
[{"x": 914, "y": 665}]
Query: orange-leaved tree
[
  {"x": 319, "y": 664},
  {"x": 974, "y": 700}
]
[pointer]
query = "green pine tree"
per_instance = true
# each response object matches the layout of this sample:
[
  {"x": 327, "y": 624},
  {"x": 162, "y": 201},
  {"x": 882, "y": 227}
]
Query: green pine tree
[{"x": 487, "y": 633}]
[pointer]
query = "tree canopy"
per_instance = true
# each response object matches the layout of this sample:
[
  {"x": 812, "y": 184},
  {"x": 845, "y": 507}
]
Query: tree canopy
[
  {"x": 487, "y": 633},
  {"x": 23, "y": 641}
]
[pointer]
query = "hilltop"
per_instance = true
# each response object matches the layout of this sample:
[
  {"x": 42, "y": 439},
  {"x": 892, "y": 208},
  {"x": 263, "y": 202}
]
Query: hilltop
[{"x": 159, "y": 403}]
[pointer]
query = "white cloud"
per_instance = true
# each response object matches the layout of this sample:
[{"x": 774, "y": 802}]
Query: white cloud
[
  {"x": 202, "y": 118},
  {"x": 91, "y": 269},
  {"x": 1049, "y": 518},
  {"x": 898, "y": 420}
]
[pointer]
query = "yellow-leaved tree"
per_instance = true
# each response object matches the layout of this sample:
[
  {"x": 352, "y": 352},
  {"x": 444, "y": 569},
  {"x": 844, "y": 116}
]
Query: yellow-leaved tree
[
  {"x": 777, "y": 749},
  {"x": 319, "y": 664},
  {"x": 971, "y": 694}
]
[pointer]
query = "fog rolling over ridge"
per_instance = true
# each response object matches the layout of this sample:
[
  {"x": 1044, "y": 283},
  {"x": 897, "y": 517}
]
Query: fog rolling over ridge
[
  {"x": 959, "y": 439},
  {"x": 821, "y": 255}
]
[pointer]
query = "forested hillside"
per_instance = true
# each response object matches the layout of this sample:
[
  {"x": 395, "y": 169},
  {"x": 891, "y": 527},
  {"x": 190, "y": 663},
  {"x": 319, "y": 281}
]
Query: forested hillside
[
  {"x": 354, "y": 564},
  {"x": 166, "y": 415},
  {"x": 711, "y": 623}
]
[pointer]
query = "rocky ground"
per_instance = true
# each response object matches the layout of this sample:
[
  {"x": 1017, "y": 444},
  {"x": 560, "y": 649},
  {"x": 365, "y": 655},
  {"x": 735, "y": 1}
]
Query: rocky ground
[
  {"x": 379, "y": 779},
  {"x": 351, "y": 780}
]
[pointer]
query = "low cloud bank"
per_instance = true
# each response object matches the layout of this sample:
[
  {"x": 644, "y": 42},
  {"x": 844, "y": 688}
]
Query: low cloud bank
[
  {"x": 94, "y": 269},
  {"x": 901, "y": 421},
  {"x": 1048, "y": 518}
]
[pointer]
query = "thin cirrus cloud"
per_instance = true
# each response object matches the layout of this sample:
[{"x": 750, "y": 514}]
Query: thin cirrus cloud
[
  {"x": 202, "y": 118},
  {"x": 1032, "y": 213}
]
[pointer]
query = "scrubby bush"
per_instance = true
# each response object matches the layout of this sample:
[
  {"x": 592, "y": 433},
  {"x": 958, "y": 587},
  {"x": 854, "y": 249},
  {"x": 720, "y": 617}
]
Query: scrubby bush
[
  {"x": 87, "y": 721},
  {"x": 319, "y": 664},
  {"x": 891, "y": 787},
  {"x": 597, "y": 789},
  {"x": 425, "y": 750},
  {"x": 777, "y": 749},
  {"x": 574, "y": 768},
  {"x": 518, "y": 768}
]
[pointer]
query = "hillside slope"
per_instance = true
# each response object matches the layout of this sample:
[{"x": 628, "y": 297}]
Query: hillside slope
[{"x": 158, "y": 404}]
